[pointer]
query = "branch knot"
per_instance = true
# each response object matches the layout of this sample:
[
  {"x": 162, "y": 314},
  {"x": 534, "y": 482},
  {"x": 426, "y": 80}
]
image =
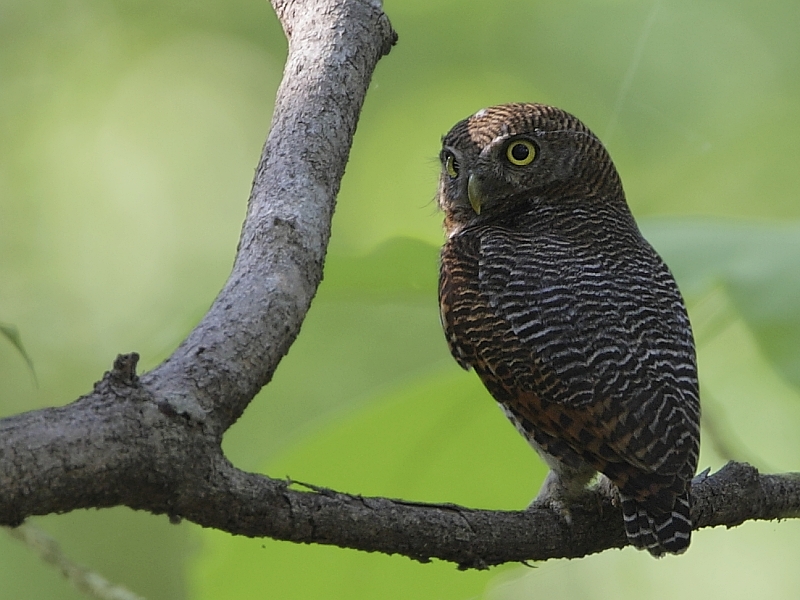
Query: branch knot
[{"x": 124, "y": 369}]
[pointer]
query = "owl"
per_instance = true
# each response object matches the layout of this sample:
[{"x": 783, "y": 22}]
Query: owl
[{"x": 572, "y": 321}]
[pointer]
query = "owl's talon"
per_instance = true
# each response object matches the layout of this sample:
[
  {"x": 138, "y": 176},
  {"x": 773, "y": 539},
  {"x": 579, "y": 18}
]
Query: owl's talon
[
  {"x": 605, "y": 488},
  {"x": 555, "y": 505}
]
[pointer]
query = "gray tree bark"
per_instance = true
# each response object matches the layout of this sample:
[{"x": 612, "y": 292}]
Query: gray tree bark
[{"x": 153, "y": 442}]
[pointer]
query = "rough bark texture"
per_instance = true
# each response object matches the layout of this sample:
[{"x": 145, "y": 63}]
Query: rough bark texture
[{"x": 153, "y": 443}]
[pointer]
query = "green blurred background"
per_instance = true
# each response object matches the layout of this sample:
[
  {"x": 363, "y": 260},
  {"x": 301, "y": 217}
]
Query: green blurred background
[{"x": 129, "y": 131}]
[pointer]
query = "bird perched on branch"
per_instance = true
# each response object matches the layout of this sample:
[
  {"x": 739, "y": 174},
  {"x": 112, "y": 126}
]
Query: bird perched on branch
[{"x": 572, "y": 321}]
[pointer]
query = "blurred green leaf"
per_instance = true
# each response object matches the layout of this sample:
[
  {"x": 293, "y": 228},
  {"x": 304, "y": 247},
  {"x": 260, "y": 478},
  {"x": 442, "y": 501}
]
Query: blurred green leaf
[
  {"x": 399, "y": 269},
  {"x": 741, "y": 387},
  {"x": 757, "y": 264},
  {"x": 374, "y": 325}
]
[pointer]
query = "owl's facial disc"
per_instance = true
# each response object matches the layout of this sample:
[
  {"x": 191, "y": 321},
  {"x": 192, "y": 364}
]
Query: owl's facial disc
[
  {"x": 499, "y": 169},
  {"x": 483, "y": 176}
]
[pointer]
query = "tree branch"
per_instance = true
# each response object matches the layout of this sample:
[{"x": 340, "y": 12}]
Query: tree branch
[
  {"x": 233, "y": 352},
  {"x": 153, "y": 443},
  {"x": 468, "y": 537}
]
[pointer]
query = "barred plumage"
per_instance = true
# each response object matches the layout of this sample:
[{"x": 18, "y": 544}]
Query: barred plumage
[{"x": 569, "y": 317}]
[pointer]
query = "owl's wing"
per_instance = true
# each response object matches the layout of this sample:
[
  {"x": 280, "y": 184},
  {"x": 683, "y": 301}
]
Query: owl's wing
[
  {"x": 459, "y": 294},
  {"x": 478, "y": 337},
  {"x": 610, "y": 359}
]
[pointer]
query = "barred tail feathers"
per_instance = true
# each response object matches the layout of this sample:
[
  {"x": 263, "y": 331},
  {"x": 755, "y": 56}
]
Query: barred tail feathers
[{"x": 662, "y": 533}]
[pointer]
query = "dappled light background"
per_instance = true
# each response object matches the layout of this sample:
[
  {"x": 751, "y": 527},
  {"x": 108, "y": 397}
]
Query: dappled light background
[{"x": 129, "y": 132}]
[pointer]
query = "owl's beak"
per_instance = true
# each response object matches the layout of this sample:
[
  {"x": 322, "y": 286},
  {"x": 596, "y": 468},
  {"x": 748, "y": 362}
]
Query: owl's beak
[{"x": 474, "y": 193}]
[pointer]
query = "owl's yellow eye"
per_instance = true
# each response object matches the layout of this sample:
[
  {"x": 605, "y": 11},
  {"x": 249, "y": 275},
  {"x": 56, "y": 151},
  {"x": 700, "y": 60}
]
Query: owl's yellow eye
[
  {"x": 521, "y": 153},
  {"x": 451, "y": 166}
]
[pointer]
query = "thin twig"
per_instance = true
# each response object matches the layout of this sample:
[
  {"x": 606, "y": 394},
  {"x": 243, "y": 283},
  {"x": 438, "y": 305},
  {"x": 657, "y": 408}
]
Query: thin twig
[{"x": 85, "y": 580}]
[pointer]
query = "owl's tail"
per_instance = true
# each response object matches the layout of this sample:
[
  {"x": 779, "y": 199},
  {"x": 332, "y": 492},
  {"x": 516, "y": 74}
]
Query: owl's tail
[{"x": 658, "y": 533}]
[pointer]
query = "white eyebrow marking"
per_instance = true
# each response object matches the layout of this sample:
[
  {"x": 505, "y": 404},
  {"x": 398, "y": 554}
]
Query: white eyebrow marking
[{"x": 480, "y": 113}]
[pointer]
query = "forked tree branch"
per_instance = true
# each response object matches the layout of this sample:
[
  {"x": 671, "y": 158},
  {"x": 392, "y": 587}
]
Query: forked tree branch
[{"x": 153, "y": 443}]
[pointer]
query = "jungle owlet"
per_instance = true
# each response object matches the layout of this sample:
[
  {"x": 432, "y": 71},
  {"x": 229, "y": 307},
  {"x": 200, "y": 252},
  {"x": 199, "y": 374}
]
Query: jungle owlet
[{"x": 570, "y": 318}]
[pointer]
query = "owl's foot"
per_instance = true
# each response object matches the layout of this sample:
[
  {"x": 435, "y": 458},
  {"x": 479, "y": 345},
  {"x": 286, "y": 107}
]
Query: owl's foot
[
  {"x": 564, "y": 489},
  {"x": 606, "y": 489},
  {"x": 558, "y": 505}
]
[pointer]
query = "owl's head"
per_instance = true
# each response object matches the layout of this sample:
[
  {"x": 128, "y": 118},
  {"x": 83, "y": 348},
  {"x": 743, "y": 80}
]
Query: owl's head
[{"x": 507, "y": 161}]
